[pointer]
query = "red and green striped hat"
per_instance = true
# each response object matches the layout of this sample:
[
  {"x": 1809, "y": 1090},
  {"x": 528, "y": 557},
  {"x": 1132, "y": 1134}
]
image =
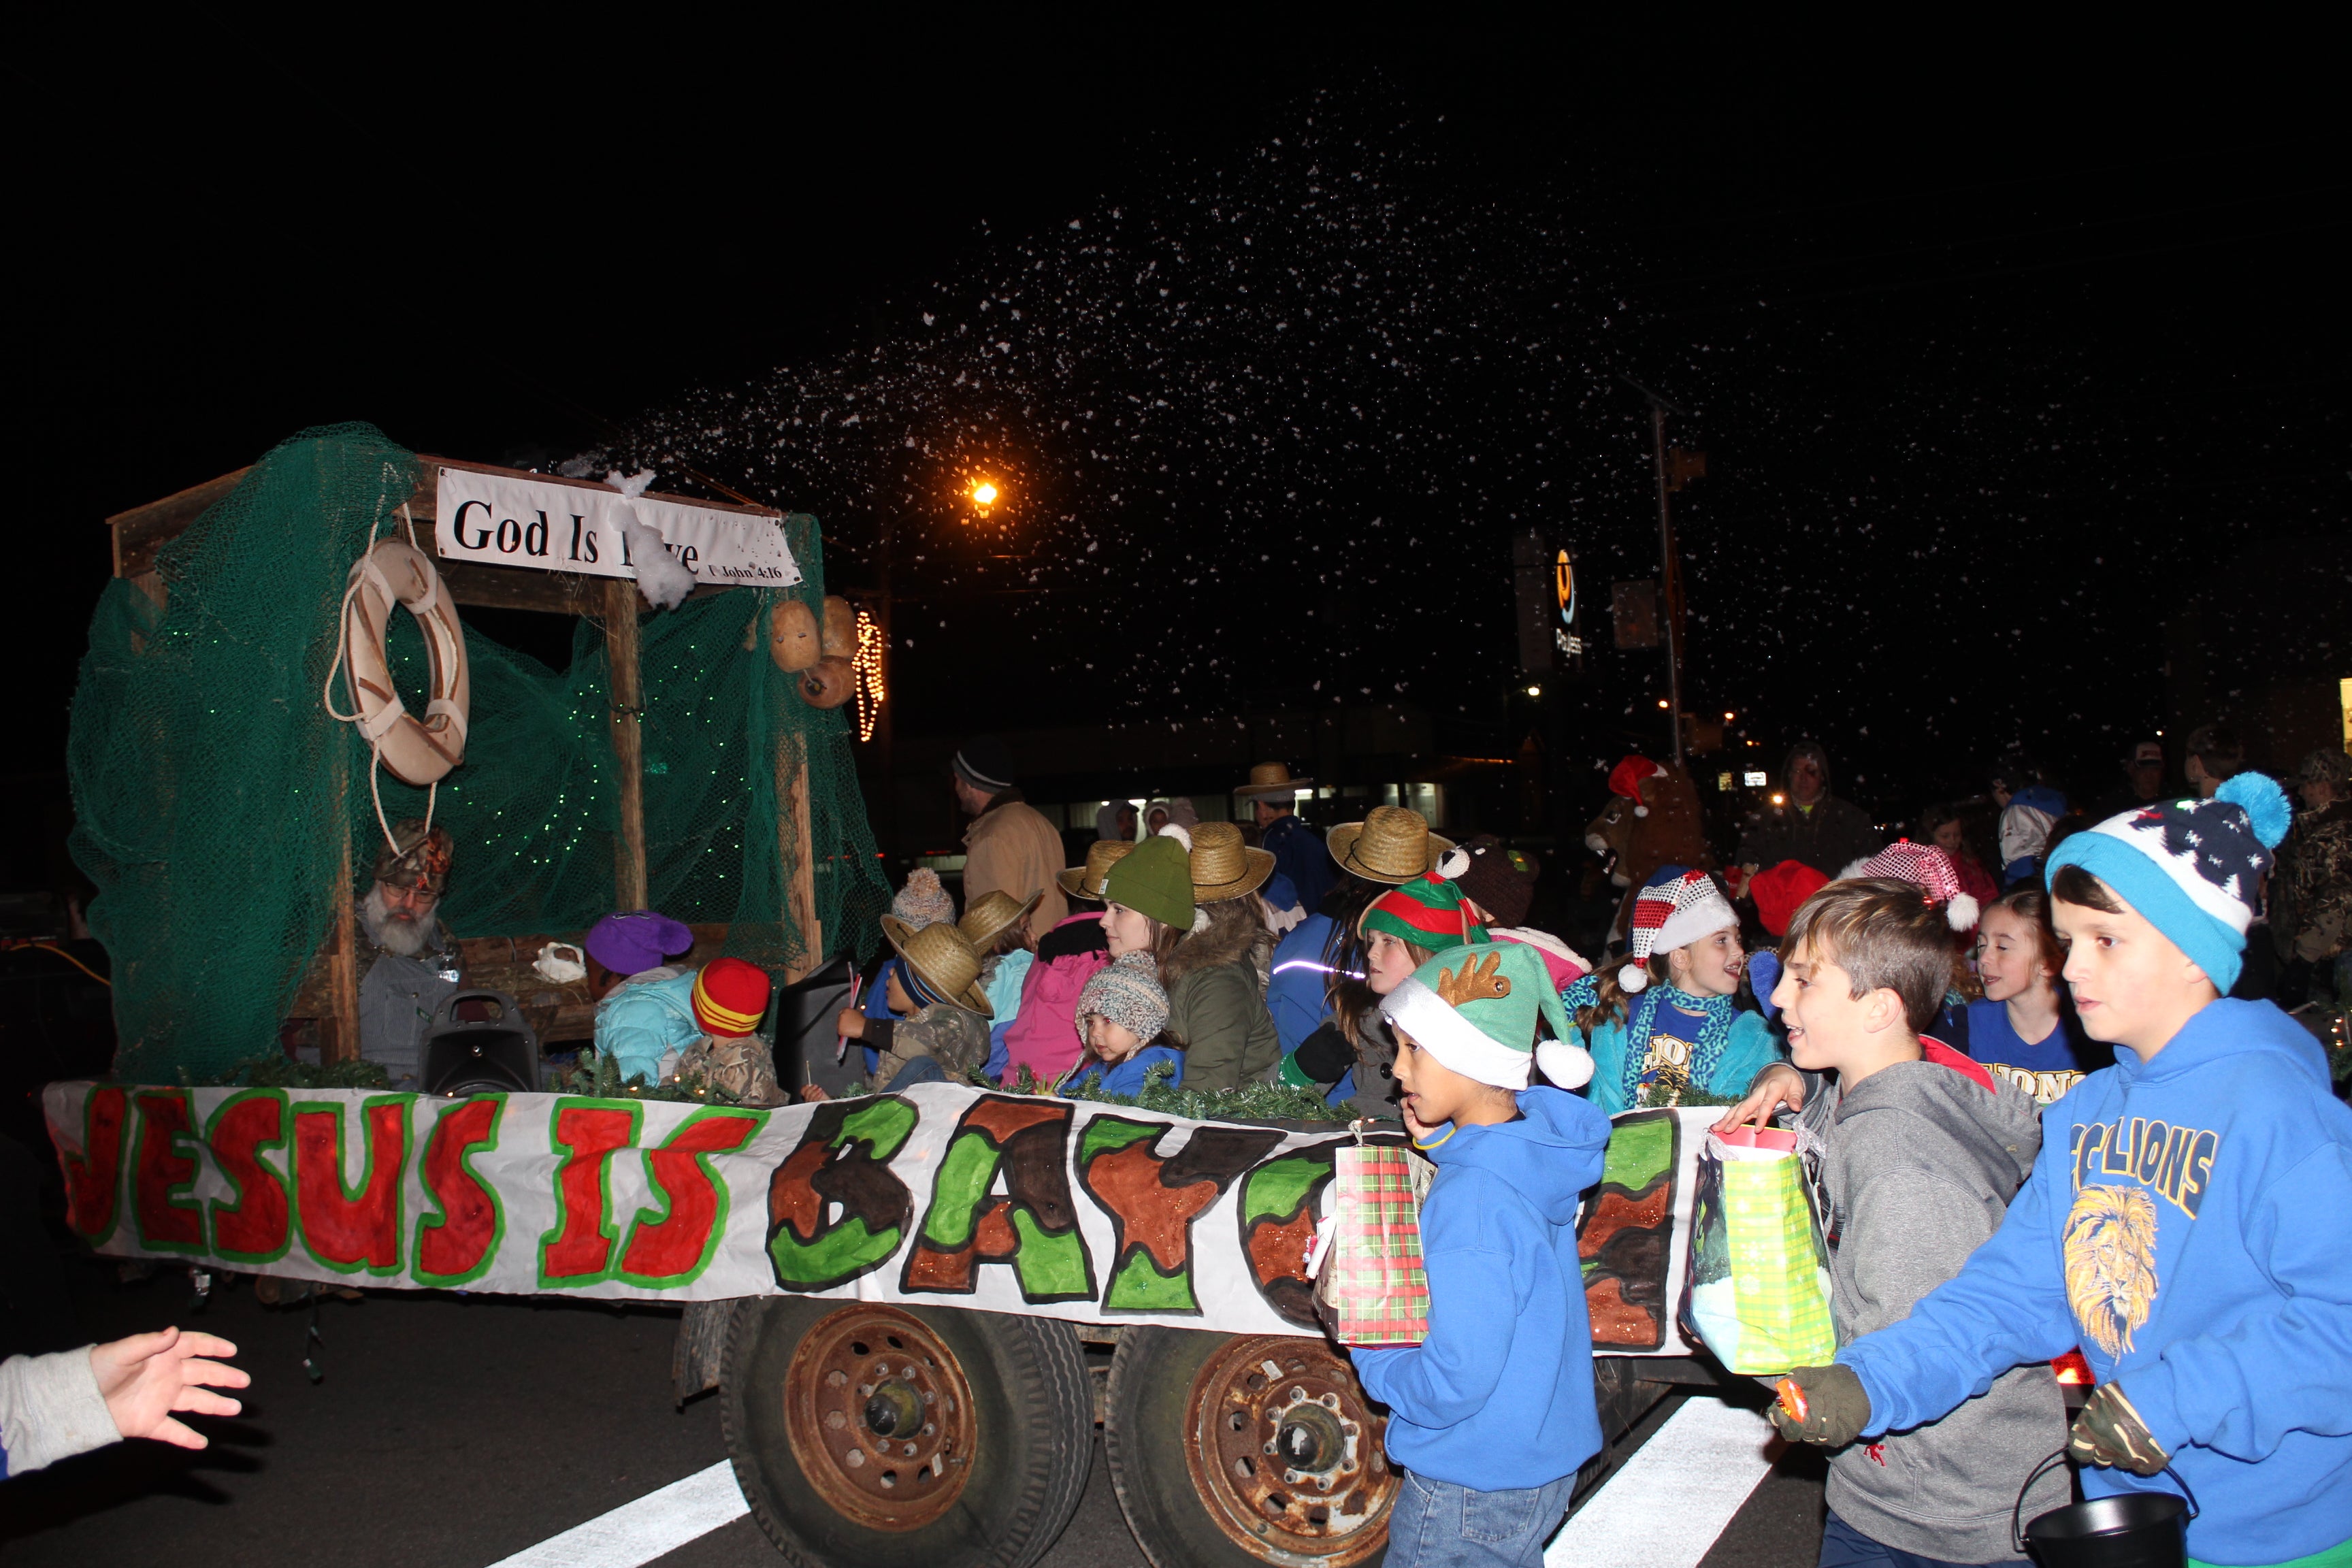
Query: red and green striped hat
[{"x": 1427, "y": 912}]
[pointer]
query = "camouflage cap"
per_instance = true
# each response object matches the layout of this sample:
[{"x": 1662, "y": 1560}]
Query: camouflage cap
[
  {"x": 415, "y": 858},
  {"x": 2325, "y": 765}
]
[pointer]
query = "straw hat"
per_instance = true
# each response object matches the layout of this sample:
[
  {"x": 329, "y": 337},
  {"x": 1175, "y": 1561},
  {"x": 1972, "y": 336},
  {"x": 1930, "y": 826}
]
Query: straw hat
[
  {"x": 1086, "y": 881},
  {"x": 944, "y": 959},
  {"x": 992, "y": 912},
  {"x": 1223, "y": 866},
  {"x": 1271, "y": 778},
  {"x": 1391, "y": 845}
]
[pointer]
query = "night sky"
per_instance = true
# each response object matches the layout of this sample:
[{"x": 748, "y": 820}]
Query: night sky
[{"x": 2002, "y": 350}]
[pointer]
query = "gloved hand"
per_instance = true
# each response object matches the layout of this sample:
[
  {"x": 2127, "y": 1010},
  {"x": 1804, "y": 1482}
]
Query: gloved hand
[
  {"x": 2109, "y": 1432},
  {"x": 1834, "y": 1408}
]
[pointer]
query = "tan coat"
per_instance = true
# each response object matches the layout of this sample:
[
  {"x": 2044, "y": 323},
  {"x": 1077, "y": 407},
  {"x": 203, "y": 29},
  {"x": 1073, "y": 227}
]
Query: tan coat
[{"x": 1011, "y": 848}]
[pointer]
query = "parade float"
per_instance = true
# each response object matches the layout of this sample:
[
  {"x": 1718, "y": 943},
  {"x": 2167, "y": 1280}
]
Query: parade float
[{"x": 916, "y": 1308}]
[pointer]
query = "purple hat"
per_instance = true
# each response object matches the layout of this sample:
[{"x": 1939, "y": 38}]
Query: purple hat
[{"x": 636, "y": 942}]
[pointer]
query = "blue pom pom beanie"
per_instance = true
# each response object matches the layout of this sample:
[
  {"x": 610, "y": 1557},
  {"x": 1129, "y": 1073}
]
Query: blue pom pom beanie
[{"x": 2193, "y": 868}]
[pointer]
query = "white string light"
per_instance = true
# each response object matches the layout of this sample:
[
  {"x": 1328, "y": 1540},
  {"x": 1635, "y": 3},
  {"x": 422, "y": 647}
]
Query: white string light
[{"x": 865, "y": 670}]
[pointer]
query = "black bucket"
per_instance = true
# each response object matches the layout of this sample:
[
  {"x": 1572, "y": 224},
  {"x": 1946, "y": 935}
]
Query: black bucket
[{"x": 2130, "y": 1530}]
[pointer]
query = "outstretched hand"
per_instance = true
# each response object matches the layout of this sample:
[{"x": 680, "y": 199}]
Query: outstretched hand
[
  {"x": 1775, "y": 1087},
  {"x": 147, "y": 1377}
]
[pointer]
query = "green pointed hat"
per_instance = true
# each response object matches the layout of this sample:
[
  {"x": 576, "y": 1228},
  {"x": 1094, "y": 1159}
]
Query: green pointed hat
[{"x": 1475, "y": 1009}]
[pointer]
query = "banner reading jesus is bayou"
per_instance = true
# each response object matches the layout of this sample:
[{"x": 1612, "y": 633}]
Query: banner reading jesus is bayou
[{"x": 941, "y": 1194}]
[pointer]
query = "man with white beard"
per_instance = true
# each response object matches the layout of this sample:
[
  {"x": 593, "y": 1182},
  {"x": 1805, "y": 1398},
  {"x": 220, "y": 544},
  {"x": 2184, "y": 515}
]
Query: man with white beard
[{"x": 415, "y": 965}]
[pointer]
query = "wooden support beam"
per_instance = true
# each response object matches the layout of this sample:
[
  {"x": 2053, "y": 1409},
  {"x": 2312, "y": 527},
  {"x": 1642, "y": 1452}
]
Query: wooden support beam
[
  {"x": 339, "y": 1035},
  {"x": 794, "y": 849},
  {"x": 142, "y": 531},
  {"x": 628, "y": 700}
]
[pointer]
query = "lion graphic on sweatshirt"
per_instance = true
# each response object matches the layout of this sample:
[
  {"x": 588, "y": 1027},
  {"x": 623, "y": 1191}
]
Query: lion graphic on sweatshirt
[{"x": 2111, "y": 1263}]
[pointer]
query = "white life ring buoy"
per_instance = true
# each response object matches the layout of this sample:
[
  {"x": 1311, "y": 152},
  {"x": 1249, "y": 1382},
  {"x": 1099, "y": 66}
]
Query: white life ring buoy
[{"x": 419, "y": 751}]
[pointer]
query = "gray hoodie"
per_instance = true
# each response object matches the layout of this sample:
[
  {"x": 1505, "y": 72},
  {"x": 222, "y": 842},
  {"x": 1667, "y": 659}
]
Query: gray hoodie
[{"x": 1913, "y": 1171}]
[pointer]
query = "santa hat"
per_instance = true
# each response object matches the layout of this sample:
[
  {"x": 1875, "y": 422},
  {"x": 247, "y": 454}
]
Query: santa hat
[
  {"x": 1675, "y": 907},
  {"x": 2193, "y": 868},
  {"x": 1926, "y": 868},
  {"x": 1475, "y": 1009},
  {"x": 1628, "y": 777},
  {"x": 729, "y": 998},
  {"x": 1778, "y": 891}
]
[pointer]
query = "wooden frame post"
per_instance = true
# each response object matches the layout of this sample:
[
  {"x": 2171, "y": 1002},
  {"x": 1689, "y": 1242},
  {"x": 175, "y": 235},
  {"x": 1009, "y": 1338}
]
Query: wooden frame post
[
  {"x": 795, "y": 847},
  {"x": 628, "y": 700},
  {"x": 339, "y": 1036}
]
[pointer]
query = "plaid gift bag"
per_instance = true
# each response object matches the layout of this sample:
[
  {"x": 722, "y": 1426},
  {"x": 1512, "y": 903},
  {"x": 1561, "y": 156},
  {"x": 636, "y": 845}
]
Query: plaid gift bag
[
  {"x": 1371, "y": 1276},
  {"x": 1757, "y": 1291}
]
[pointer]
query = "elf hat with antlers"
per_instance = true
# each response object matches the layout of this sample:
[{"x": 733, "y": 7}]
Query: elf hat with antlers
[{"x": 1476, "y": 1010}]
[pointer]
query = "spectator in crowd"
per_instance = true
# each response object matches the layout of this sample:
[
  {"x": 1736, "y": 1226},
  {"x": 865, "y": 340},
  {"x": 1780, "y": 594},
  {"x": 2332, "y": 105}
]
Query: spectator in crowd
[
  {"x": 2030, "y": 807},
  {"x": 2143, "y": 782},
  {"x": 1297, "y": 850},
  {"x": 2217, "y": 754},
  {"x": 1943, "y": 826},
  {"x": 1808, "y": 823},
  {"x": 2314, "y": 881},
  {"x": 54, "y": 1406},
  {"x": 1010, "y": 847},
  {"x": 1116, "y": 819}
]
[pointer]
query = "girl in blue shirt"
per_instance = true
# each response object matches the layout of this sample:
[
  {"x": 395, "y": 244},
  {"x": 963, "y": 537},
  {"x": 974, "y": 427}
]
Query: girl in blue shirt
[
  {"x": 2024, "y": 1026},
  {"x": 1121, "y": 1014},
  {"x": 1666, "y": 1021}
]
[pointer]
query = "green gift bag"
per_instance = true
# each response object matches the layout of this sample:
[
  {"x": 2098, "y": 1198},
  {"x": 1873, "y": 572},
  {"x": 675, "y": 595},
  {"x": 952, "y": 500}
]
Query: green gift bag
[{"x": 1757, "y": 1292}]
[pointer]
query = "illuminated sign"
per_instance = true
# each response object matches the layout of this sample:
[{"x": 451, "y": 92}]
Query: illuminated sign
[{"x": 1756, "y": 780}]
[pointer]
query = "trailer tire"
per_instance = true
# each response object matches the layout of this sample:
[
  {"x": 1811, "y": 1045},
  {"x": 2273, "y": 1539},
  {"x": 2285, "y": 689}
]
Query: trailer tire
[
  {"x": 1188, "y": 1417},
  {"x": 820, "y": 1401}
]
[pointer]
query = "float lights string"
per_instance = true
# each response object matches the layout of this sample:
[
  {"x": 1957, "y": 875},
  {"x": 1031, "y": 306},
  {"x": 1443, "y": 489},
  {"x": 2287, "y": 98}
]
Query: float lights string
[{"x": 866, "y": 670}]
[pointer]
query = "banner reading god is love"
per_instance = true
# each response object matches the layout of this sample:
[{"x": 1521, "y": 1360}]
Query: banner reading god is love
[{"x": 942, "y": 1195}]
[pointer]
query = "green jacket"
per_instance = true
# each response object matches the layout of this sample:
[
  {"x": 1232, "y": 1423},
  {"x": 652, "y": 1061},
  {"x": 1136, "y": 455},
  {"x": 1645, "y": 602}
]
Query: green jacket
[{"x": 1216, "y": 1007}]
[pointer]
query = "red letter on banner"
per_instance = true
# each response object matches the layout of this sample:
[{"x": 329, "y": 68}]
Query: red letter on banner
[
  {"x": 458, "y": 1244},
  {"x": 581, "y": 1247},
  {"x": 344, "y": 1229},
  {"x": 94, "y": 1176},
  {"x": 167, "y": 1216},
  {"x": 674, "y": 1244},
  {"x": 254, "y": 1229}
]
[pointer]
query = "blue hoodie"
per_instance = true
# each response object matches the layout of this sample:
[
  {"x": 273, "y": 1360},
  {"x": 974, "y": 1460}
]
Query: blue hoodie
[
  {"x": 2184, "y": 1222},
  {"x": 1499, "y": 1396}
]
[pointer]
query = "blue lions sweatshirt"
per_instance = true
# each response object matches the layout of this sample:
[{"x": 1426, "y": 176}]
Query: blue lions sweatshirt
[
  {"x": 2185, "y": 1226},
  {"x": 1499, "y": 1396}
]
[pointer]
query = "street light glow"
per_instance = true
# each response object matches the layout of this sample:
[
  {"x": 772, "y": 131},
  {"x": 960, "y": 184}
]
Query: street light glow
[{"x": 984, "y": 493}]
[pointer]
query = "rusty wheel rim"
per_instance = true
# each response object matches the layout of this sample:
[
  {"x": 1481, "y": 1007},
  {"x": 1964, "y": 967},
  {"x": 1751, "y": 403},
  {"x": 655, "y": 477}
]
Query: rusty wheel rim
[
  {"x": 879, "y": 1416},
  {"x": 1286, "y": 1453}
]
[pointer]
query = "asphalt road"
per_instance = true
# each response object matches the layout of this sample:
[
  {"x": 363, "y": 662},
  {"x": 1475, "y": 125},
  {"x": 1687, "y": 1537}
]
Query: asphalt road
[{"x": 458, "y": 1430}]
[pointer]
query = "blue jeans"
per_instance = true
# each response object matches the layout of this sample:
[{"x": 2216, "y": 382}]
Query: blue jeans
[
  {"x": 1844, "y": 1546},
  {"x": 1436, "y": 1524}
]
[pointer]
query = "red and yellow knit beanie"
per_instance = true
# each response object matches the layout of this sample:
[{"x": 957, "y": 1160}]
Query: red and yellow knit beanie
[{"x": 730, "y": 996}]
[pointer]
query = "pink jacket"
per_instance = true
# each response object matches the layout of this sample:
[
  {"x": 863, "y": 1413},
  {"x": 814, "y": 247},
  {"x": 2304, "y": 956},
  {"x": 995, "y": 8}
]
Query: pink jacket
[{"x": 1044, "y": 1034}]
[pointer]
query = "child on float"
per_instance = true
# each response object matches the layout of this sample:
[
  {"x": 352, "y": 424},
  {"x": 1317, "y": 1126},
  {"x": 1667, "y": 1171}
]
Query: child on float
[
  {"x": 1914, "y": 1152},
  {"x": 941, "y": 1030},
  {"x": 1123, "y": 1011},
  {"x": 1666, "y": 1020},
  {"x": 997, "y": 926},
  {"x": 1214, "y": 971},
  {"x": 2180, "y": 1225},
  {"x": 1044, "y": 1038},
  {"x": 2024, "y": 1028},
  {"x": 922, "y": 899},
  {"x": 1399, "y": 931},
  {"x": 1491, "y": 1415},
  {"x": 1316, "y": 985}
]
